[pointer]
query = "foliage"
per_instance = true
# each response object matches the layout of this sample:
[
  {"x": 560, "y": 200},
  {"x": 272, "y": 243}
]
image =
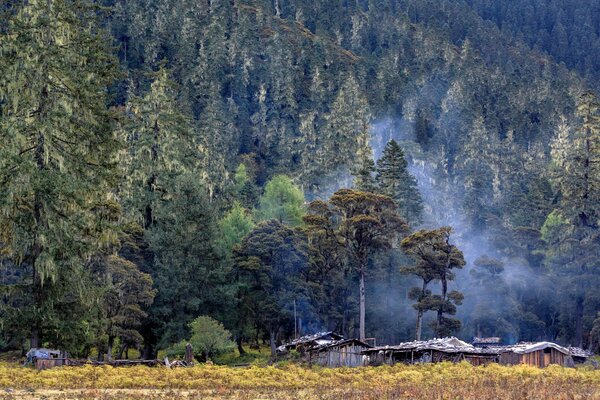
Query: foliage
[
  {"x": 209, "y": 339},
  {"x": 271, "y": 262},
  {"x": 126, "y": 292},
  {"x": 186, "y": 268},
  {"x": 234, "y": 226},
  {"x": 394, "y": 180},
  {"x": 282, "y": 201},
  {"x": 57, "y": 162},
  {"x": 435, "y": 258}
]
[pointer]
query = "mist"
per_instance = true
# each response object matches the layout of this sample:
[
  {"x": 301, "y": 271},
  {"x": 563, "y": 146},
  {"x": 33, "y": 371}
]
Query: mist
[{"x": 443, "y": 207}]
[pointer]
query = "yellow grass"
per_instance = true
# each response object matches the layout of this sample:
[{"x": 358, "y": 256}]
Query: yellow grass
[{"x": 428, "y": 381}]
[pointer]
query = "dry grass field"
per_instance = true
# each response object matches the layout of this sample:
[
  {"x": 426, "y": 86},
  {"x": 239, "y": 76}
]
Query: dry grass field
[{"x": 430, "y": 381}]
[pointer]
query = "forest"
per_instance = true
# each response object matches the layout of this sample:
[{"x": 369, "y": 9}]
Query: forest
[{"x": 264, "y": 169}]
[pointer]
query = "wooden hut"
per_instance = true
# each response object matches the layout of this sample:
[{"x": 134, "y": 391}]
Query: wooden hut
[
  {"x": 435, "y": 350},
  {"x": 540, "y": 354},
  {"x": 46, "y": 358},
  {"x": 307, "y": 343},
  {"x": 342, "y": 353},
  {"x": 580, "y": 356}
]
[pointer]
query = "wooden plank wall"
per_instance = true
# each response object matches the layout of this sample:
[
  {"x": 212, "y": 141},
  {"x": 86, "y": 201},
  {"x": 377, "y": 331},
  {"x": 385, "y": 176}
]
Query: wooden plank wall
[
  {"x": 48, "y": 363},
  {"x": 342, "y": 356},
  {"x": 535, "y": 358}
]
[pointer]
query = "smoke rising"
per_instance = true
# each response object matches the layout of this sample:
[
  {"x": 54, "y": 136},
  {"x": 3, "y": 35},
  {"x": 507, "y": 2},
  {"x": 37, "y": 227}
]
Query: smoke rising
[{"x": 485, "y": 300}]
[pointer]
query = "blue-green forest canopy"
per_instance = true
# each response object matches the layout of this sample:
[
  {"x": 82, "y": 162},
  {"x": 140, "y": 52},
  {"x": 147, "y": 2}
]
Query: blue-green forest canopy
[{"x": 258, "y": 170}]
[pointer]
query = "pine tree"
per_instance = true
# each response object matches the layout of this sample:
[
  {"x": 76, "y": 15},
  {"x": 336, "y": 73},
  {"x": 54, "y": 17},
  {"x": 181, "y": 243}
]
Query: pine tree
[
  {"x": 346, "y": 131},
  {"x": 57, "y": 155},
  {"x": 576, "y": 153},
  {"x": 187, "y": 269},
  {"x": 216, "y": 133},
  {"x": 364, "y": 179},
  {"x": 160, "y": 147},
  {"x": 394, "y": 180}
]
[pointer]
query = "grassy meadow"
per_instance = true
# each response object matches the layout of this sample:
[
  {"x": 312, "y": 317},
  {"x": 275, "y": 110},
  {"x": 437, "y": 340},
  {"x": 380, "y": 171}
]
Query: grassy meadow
[{"x": 289, "y": 381}]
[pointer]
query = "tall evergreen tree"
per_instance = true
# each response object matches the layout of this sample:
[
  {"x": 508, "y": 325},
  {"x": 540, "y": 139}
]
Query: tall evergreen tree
[
  {"x": 394, "y": 180},
  {"x": 57, "y": 153},
  {"x": 187, "y": 270},
  {"x": 364, "y": 179},
  {"x": 160, "y": 147}
]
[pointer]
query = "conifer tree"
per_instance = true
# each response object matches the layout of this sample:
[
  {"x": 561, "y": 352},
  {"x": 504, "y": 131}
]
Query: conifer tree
[
  {"x": 347, "y": 127},
  {"x": 394, "y": 180},
  {"x": 282, "y": 201},
  {"x": 57, "y": 153},
  {"x": 364, "y": 179},
  {"x": 160, "y": 147},
  {"x": 577, "y": 155}
]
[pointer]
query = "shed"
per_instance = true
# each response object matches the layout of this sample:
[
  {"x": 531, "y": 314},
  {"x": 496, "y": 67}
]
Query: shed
[
  {"x": 46, "y": 358},
  {"x": 435, "y": 350},
  {"x": 579, "y": 355},
  {"x": 341, "y": 353},
  {"x": 540, "y": 354},
  {"x": 309, "y": 342}
]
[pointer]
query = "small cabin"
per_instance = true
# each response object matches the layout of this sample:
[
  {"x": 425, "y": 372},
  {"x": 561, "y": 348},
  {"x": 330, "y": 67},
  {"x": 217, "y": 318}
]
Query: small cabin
[
  {"x": 46, "y": 358},
  {"x": 539, "y": 354},
  {"x": 309, "y": 342},
  {"x": 342, "y": 353},
  {"x": 580, "y": 356},
  {"x": 430, "y": 351}
]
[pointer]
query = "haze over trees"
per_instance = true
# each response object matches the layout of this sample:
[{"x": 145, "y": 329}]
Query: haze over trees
[{"x": 390, "y": 169}]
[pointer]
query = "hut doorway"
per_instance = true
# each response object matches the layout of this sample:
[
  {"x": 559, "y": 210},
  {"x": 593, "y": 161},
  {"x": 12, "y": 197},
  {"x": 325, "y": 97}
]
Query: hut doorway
[{"x": 547, "y": 354}]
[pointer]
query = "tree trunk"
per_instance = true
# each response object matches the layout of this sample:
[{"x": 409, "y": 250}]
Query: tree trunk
[
  {"x": 362, "y": 307},
  {"x": 121, "y": 352},
  {"x": 240, "y": 348},
  {"x": 579, "y": 323},
  {"x": 109, "y": 347},
  {"x": 440, "y": 313},
  {"x": 419, "y": 323},
  {"x": 34, "y": 341},
  {"x": 148, "y": 353},
  {"x": 272, "y": 343},
  {"x": 420, "y": 313}
]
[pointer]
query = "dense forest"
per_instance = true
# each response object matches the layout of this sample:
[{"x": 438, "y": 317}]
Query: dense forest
[{"x": 385, "y": 169}]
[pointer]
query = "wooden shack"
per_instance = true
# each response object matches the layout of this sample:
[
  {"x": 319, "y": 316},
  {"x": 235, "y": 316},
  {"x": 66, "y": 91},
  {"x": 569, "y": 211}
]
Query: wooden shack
[
  {"x": 342, "y": 353},
  {"x": 435, "y": 350},
  {"x": 580, "y": 356},
  {"x": 540, "y": 354},
  {"x": 307, "y": 343},
  {"x": 48, "y": 363},
  {"x": 43, "y": 358}
]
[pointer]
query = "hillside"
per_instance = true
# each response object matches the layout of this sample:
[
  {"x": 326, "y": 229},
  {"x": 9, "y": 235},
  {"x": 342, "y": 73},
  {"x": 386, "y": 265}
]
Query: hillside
[{"x": 180, "y": 159}]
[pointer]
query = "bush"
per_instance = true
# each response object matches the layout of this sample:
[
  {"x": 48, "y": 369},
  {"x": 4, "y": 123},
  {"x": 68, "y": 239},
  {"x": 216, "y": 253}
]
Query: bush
[{"x": 209, "y": 339}]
